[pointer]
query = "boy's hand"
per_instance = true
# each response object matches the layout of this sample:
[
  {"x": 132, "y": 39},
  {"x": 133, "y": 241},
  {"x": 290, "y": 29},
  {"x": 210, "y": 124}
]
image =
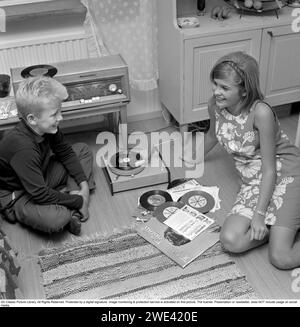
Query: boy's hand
[
  {"x": 258, "y": 227},
  {"x": 85, "y": 193}
]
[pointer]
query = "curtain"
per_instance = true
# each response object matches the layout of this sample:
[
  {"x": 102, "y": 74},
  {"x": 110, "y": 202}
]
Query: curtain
[{"x": 128, "y": 27}]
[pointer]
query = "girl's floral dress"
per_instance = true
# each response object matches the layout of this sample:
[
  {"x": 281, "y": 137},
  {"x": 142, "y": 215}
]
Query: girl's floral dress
[{"x": 240, "y": 139}]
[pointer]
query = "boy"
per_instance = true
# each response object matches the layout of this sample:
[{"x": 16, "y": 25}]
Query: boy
[{"x": 36, "y": 163}]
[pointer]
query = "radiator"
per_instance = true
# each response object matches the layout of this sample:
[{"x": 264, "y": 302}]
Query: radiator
[{"x": 35, "y": 53}]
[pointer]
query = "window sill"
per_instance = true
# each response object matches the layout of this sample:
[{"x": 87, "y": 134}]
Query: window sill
[{"x": 20, "y": 9}]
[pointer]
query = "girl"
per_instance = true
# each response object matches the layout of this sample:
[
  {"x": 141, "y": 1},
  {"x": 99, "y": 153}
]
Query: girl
[{"x": 267, "y": 205}]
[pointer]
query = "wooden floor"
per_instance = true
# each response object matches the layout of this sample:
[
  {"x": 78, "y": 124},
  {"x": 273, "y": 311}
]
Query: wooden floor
[{"x": 110, "y": 214}]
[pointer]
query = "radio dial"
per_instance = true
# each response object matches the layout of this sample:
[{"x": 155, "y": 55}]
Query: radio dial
[{"x": 113, "y": 88}]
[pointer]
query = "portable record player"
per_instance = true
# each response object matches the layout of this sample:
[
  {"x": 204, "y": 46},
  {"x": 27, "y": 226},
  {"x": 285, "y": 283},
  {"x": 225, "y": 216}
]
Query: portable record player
[{"x": 130, "y": 169}]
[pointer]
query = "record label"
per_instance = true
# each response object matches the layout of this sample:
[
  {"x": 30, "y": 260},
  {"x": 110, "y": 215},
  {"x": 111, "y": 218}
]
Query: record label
[
  {"x": 166, "y": 210},
  {"x": 153, "y": 199},
  {"x": 199, "y": 200}
]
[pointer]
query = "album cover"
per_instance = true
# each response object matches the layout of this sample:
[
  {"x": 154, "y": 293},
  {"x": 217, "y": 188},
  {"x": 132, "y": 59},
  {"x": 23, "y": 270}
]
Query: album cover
[{"x": 177, "y": 247}]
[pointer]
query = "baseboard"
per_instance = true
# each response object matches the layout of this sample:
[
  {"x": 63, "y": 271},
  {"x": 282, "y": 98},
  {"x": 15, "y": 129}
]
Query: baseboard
[{"x": 145, "y": 116}]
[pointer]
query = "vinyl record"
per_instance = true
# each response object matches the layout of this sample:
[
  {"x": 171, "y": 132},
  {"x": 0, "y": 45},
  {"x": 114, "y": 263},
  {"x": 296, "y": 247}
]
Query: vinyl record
[
  {"x": 126, "y": 163},
  {"x": 177, "y": 182},
  {"x": 152, "y": 199},
  {"x": 165, "y": 210},
  {"x": 39, "y": 70},
  {"x": 199, "y": 200}
]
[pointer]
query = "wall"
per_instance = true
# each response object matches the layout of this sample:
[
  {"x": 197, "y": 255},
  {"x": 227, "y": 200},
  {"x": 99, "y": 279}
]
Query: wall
[{"x": 144, "y": 105}]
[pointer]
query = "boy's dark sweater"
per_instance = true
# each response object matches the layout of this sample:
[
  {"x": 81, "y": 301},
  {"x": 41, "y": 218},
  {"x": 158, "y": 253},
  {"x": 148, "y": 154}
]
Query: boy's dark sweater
[{"x": 24, "y": 157}]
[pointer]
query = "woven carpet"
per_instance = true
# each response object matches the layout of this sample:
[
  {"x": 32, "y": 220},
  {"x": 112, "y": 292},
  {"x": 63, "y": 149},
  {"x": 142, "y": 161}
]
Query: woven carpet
[{"x": 125, "y": 266}]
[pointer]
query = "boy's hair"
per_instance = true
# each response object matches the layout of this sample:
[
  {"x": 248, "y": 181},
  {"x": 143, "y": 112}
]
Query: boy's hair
[
  {"x": 245, "y": 72},
  {"x": 34, "y": 91}
]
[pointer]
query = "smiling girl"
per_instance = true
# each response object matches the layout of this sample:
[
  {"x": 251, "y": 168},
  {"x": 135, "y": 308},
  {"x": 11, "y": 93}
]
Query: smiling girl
[{"x": 267, "y": 206}]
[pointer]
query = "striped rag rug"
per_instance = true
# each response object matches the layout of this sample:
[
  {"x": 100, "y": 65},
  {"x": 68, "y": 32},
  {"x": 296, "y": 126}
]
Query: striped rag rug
[{"x": 125, "y": 266}]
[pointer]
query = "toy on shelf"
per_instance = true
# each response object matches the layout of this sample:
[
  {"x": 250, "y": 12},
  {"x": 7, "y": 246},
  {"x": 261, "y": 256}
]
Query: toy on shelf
[{"x": 220, "y": 13}]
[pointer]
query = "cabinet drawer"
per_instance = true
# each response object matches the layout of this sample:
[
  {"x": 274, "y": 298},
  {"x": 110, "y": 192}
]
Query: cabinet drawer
[
  {"x": 200, "y": 56},
  {"x": 280, "y": 65}
]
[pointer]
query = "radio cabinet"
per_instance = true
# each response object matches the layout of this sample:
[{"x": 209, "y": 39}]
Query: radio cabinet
[
  {"x": 186, "y": 55},
  {"x": 96, "y": 86}
]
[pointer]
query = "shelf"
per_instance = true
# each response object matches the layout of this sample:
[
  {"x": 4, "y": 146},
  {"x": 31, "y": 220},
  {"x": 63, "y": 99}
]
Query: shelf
[{"x": 235, "y": 23}]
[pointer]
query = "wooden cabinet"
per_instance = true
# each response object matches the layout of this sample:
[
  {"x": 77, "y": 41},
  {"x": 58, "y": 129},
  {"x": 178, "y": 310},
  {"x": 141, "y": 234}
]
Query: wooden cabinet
[
  {"x": 280, "y": 65},
  {"x": 186, "y": 55},
  {"x": 200, "y": 56}
]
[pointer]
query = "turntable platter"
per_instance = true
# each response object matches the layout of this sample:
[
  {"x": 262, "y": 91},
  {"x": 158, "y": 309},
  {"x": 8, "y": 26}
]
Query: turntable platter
[
  {"x": 126, "y": 163},
  {"x": 122, "y": 174}
]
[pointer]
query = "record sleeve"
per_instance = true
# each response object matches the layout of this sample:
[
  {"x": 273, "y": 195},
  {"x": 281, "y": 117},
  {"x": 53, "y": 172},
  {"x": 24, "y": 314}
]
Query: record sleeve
[{"x": 178, "y": 249}]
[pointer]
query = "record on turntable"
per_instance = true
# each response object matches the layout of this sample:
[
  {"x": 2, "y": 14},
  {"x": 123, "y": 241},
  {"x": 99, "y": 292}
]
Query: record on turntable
[
  {"x": 152, "y": 199},
  {"x": 199, "y": 200},
  {"x": 127, "y": 163},
  {"x": 167, "y": 209},
  {"x": 39, "y": 70}
]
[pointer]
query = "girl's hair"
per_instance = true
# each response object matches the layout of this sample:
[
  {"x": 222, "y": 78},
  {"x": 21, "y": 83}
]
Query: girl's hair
[
  {"x": 245, "y": 72},
  {"x": 33, "y": 92}
]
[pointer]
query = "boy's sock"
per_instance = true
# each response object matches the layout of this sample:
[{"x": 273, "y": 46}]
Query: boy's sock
[{"x": 74, "y": 226}]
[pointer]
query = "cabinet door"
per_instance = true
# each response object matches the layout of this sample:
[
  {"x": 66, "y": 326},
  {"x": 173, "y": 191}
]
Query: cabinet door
[
  {"x": 200, "y": 56},
  {"x": 280, "y": 65}
]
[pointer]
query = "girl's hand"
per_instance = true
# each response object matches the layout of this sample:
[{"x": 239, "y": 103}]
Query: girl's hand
[{"x": 258, "y": 227}]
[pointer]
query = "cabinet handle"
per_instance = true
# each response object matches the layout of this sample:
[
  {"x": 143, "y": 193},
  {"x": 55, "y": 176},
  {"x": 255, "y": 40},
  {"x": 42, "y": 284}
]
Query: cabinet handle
[{"x": 270, "y": 33}]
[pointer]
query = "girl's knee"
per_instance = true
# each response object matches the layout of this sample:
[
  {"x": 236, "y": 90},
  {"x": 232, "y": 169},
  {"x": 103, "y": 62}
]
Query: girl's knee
[
  {"x": 281, "y": 259},
  {"x": 230, "y": 240}
]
